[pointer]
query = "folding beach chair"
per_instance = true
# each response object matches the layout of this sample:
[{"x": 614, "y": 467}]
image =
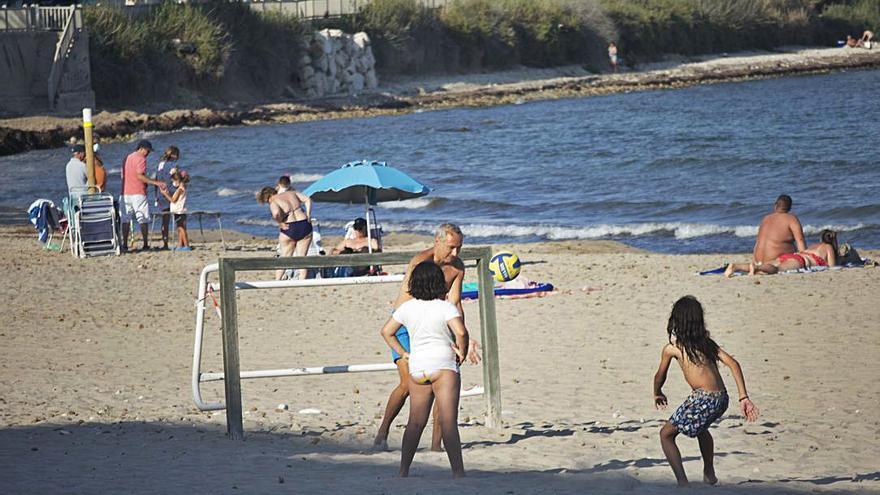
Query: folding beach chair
[{"x": 92, "y": 226}]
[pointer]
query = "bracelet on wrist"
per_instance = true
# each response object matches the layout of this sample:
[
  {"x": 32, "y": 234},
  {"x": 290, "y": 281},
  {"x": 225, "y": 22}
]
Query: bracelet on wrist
[{"x": 743, "y": 398}]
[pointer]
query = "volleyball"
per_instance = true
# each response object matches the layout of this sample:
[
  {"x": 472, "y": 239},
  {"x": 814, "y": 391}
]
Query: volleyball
[{"x": 504, "y": 266}]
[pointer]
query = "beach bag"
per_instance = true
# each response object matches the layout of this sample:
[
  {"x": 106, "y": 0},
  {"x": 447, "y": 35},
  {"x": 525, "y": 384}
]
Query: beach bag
[{"x": 848, "y": 256}]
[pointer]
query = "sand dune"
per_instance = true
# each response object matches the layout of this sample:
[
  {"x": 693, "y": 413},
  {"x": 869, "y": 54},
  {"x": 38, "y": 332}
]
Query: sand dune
[{"x": 95, "y": 395}]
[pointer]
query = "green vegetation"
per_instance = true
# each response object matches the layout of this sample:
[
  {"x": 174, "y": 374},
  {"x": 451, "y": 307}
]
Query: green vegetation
[
  {"x": 218, "y": 49},
  {"x": 474, "y": 34},
  {"x": 229, "y": 52}
]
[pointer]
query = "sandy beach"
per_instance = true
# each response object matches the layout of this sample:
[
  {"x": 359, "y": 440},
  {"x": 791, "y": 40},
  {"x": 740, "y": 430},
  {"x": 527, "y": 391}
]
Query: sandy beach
[{"x": 96, "y": 361}]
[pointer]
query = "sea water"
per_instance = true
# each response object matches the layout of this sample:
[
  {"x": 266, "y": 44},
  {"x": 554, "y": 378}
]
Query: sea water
[{"x": 687, "y": 170}]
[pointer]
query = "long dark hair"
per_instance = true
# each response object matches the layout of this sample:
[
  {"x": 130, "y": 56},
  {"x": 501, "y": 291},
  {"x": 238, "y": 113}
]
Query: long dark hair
[
  {"x": 691, "y": 336},
  {"x": 426, "y": 282},
  {"x": 830, "y": 237}
]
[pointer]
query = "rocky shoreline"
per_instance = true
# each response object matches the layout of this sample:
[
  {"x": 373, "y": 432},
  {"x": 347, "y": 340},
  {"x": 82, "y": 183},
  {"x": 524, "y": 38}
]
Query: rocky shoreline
[{"x": 41, "y": 132}]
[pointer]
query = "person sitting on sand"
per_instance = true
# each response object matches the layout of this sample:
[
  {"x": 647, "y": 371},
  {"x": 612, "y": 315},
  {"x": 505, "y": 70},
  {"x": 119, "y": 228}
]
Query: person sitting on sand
[
  {"x": 825, "y": 253},
  {"x": 360, "y": 242},
  {"x": 851, "y": 42},
  {"x": 780, "y": 232},
  {"x": 698, "y": 356},
  {"x": 294, "y": 224},
  {"x": 866, "y": 41},
  {"x": 438, "y": 344}
]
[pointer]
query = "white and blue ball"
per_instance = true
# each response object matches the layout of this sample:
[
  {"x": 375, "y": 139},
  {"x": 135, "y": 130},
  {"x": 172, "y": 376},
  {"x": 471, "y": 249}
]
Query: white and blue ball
[{"x": 504, "y": 266}]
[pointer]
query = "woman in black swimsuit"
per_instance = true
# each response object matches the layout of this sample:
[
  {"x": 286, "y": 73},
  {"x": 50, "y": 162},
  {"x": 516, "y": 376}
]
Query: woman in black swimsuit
[{"x": 294, "y": 224}]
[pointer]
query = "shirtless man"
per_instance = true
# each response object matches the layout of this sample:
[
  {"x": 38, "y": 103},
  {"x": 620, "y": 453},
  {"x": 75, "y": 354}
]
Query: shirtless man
[
  {"x": 780, "y": 232},
  {"x": 823, "y": 253},
  {"x": 447, "y": 244},
  {"x": 294, "y": 224}
]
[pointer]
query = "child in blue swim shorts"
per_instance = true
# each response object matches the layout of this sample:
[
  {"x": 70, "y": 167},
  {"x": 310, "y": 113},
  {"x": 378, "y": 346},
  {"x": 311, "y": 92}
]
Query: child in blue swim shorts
[{"x": 698, "y": 356}]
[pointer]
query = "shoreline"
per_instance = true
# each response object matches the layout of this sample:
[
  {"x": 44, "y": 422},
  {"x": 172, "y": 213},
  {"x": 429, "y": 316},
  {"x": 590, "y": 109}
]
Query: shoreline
[{"x": 408, "y": 95}]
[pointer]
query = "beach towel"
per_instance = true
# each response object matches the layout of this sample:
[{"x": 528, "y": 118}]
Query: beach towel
[
  {"x": 515, "y": 289},
  {"x": 851, "y": 264},
  {"x": 45, "y": 217}
]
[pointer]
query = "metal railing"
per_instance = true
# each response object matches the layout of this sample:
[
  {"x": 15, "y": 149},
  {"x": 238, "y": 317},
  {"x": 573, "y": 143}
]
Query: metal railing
[
  {"x": 35, "y": 18},
  {"x": 65, "y": 42}
]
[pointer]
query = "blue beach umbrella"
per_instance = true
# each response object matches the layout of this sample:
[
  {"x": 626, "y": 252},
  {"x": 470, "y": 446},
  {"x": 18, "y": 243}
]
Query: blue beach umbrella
[{"x": 370, "y": 182}]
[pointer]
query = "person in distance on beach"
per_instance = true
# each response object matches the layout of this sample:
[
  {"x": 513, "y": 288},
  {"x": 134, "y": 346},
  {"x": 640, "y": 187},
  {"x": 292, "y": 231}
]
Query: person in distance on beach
[
  {"x": 698, "y": 356},
  {"x": 612, "y": 56},
  {"x": 439, "y": 345},
  {"x": 780, "y": 232},
  {"x": 447, "y": 244},
  {"x": 166, "y": 167},
  {"x": 134, "y": 192}
]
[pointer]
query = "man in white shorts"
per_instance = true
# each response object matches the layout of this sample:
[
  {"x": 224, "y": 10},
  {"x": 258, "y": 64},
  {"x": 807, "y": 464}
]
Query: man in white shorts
[{"x": 134, "y": 202}]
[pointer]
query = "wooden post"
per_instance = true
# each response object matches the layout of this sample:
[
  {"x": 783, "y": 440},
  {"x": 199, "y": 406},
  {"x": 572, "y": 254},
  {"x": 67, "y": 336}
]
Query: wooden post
[
  {"x": 489, "y": 331},
  {"x": 231, "y": 367},
  {"x": 90, "y": 149}
]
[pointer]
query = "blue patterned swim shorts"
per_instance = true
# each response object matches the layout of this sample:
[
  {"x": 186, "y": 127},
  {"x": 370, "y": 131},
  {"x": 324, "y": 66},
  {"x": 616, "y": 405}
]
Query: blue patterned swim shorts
[{"x": 699, "y": 411}]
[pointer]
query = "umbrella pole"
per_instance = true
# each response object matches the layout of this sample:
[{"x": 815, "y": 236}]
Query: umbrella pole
[{"x": 369, "y": 228}]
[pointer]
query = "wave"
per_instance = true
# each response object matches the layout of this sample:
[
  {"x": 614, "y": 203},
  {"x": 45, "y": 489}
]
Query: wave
[
  {"x": 411, "y": 204},
  {"x": 301, "y": 178},
  {"x": 225, "y": 192},
  {"x": 678, "y": 230}
]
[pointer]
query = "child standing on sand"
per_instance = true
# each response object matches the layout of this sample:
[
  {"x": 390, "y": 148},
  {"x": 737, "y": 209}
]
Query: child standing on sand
[
  {"x": 439, "y": 343},
  {"x": 690, "y": 344},
  {"x": 177, "y": 207}
]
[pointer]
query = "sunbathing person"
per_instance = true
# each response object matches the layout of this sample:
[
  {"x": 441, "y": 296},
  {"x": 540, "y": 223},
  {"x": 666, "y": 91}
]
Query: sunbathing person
[
  {"x": 360, "y": 243},
  {"x": 866, "y": 40},
  {"x": 824, "y": 253}
]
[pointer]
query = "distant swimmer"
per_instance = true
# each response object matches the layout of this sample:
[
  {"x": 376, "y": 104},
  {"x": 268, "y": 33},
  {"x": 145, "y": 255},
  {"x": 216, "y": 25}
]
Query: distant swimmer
[
  {"x": 824, "y": 253},
  {"x": 780, "y": 232}
]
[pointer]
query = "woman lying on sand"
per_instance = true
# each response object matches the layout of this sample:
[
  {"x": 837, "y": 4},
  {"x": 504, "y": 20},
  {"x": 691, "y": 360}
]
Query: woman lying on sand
[{"x": 822, "y": 254}]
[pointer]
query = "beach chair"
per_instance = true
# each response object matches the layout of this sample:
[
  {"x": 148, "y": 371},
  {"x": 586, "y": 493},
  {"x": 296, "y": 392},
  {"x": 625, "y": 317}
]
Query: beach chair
[{"x": 92, "y": 226}]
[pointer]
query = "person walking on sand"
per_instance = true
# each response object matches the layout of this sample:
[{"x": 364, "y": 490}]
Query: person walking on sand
[
  {"x": 612, "y": 56},
  {"x": 698, "y": 355},
  {"x": 294, "y": 224},
  {"x": 134, "y": 192},
  {"x": 780, "y": 232},
  {"x": 439, "y": 344},
  {"x": 164, "y": 170},
  {"x": 448, "y": 240}
]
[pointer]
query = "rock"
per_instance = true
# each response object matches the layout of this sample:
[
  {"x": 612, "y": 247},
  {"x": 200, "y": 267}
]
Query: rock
[
  {"x": 361, "y": 39},
  {"x": 332, "y": 33},
  {"x": 323, "y": 64},
  {"x": 304, "y": 61},
  {"x": 370, "y": 79},
  {"x": 324, "y": 39},
  {"x": 342, "y": 59},
  {"x": 357, "y": 83}
]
